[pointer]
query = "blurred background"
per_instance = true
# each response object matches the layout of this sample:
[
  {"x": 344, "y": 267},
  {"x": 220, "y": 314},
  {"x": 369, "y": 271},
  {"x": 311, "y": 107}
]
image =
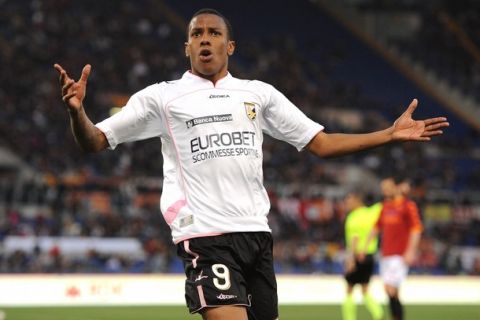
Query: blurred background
[{"x": 351, "y": 65}]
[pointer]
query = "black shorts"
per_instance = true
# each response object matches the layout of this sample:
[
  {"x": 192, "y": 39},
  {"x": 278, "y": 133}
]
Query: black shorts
[
  {"x": 231, "y": 269},
  {"x": 363, "y": 271}
]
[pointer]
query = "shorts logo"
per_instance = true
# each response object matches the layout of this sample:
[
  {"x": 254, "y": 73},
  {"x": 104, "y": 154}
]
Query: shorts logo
[
  {"x": 222, "y": 296},
  {"x": 200, "y": 277},
  {"x": 250, "y": 109}
]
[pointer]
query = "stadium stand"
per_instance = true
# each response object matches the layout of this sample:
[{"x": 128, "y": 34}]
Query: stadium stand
[{"x": 53, "y": 190}]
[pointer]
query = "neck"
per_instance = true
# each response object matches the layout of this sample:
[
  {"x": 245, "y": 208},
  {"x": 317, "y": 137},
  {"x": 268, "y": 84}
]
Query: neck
[{"x": 212, "y": 77}]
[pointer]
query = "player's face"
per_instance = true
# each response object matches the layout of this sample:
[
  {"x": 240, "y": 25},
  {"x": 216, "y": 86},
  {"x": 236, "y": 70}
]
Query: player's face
[
  {"x": 351, "y": 202},
  {"x": 389, "y": 188},
  {"x": 209, "y": 47}
]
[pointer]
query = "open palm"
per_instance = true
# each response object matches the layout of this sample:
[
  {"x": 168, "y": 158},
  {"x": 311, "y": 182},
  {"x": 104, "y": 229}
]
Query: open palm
[{"x": 406, "y": 128}]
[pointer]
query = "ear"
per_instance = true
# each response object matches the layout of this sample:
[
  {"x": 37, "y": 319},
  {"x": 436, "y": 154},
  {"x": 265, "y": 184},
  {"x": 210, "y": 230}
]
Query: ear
[
  {"x": 187, "y": 50},
  {"x": 230, "y": 47}
]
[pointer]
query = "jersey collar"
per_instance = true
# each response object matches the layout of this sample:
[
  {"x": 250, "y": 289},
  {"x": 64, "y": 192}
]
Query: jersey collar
[{"x": 188, "y": 75}]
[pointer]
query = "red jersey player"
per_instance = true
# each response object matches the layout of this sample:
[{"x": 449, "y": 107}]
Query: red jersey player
[{"x": 400, "y": 227}]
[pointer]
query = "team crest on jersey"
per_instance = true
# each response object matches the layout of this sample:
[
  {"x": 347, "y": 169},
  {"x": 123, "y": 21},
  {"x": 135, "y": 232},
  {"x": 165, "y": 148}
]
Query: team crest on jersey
[{"x": 250, "y": 109}]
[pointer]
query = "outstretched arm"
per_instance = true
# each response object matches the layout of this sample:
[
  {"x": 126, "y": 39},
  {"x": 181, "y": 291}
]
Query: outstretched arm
[
  {"x": 404, "y": 129},
  {"x": 87, "y": 136}
]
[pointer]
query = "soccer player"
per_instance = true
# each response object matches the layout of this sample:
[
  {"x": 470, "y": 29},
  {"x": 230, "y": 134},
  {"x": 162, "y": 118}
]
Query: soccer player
[
  {"x": 400, "y": 227},
  {"x": 211, "y": 127},
  {"x": 358, "y": 225}
]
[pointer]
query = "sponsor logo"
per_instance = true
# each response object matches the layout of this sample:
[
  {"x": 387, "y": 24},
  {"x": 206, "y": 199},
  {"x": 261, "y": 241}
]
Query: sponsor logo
[
  {"x": 218, "y": 96},
  {"x": 72, "y": 292},
  {"x": 209, "y": 119},
  {"x": 226, "y": 144},
  {"x": 225, "y": 139},
  {"x": 250, "y": 109},
  {"x": 222, "y": 296}
]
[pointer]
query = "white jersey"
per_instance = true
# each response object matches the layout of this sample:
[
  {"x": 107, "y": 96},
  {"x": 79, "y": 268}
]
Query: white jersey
[{"x": 212, "y": 139}]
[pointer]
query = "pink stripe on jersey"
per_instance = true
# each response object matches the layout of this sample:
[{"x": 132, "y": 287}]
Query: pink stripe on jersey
[
  {"x": 173, "y": 211},
  {"x": 186, "y": 245}
]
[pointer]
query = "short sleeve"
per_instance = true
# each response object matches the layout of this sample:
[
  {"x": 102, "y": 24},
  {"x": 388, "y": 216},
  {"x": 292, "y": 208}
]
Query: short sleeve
[
  {"x": 141, "y": 118},
  {"x": 284, "y": 121},
  {"x": 414, "y": 217},
  {"x": 378, "y": 224}
]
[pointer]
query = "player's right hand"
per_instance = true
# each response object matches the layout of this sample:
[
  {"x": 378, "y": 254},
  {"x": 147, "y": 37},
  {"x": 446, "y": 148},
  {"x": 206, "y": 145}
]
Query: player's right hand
[
  {"x": 349, "y": 264},
  {"x": 73, "y": 92}
]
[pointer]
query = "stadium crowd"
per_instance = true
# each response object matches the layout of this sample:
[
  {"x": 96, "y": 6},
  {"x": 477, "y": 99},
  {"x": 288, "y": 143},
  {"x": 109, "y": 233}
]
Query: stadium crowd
[
  {"x": 446, "y": 38},
  {"x": 116, "y": 194}
]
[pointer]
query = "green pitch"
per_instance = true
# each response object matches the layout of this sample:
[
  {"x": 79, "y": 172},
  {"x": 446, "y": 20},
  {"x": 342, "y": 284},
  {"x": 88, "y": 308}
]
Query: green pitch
[{"x": 319, "y": 312}]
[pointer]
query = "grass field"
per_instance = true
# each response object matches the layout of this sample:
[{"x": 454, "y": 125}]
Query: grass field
[{"x": 319, "y": 312}]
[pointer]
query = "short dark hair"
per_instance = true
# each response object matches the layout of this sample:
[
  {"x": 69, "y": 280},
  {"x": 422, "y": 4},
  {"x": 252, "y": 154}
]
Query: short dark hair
[
  {"x": 397, "y": 178},
  {"x": 217, "y": 13},
  {"x": 357, "y": 192}
]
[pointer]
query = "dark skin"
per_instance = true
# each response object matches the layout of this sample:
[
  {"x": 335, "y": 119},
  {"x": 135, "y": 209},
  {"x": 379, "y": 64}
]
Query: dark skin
[{"x": 209, "y": 48}]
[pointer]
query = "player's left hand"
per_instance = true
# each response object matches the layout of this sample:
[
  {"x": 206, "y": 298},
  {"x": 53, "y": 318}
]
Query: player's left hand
[{"x": 407, "y": 129}]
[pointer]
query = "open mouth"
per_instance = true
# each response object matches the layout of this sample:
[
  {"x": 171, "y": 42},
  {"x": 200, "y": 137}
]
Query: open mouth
[{"x": 206, "y": 55}]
